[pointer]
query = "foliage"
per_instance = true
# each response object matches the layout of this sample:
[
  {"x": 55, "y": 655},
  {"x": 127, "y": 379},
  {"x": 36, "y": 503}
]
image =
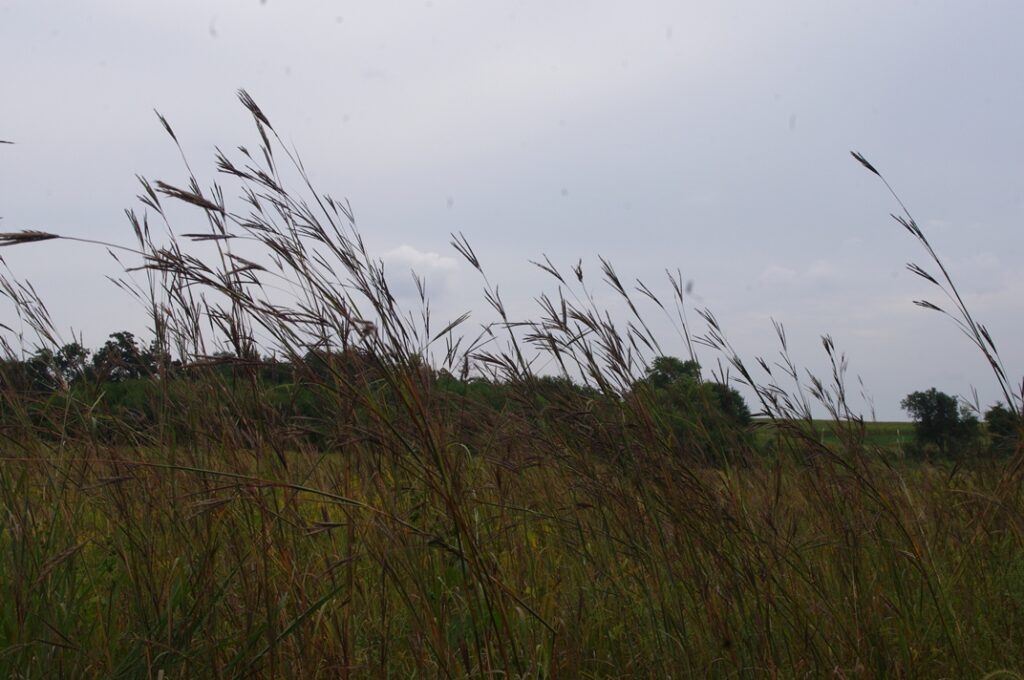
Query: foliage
[
  {"x": 940, "y": 420},
  {"x": 729, "y": 402},
  {"x": 665, "y": 371},
  {"x": 705, "y": 418},
  {"x": 121, "y": 358},
  {"x": 1004, "y": 428}
]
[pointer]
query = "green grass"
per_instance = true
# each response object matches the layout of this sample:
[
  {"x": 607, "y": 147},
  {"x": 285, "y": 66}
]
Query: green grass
[
  {"x": 891, "y": 436},
  {"x": 213, "y": 562}
]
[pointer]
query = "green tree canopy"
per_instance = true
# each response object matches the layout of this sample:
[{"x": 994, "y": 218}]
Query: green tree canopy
[
  {"x": 665, "y": 371},
  {"x": 704, "y": 416},
  {"x": 940, "y": 420},
  {"x": 1004, "y": 428},
  {"x": 122, "y": 358}
]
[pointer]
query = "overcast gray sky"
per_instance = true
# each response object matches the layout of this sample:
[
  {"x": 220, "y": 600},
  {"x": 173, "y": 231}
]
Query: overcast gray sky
[{"x": 711, "y": 137}]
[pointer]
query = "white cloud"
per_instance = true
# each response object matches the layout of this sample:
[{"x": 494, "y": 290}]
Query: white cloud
[
  {"x": 777, "y": 274},
  {"x": 437, "y": 272},
  {"x": 821, "y": 270},
  {"x": 423, "y": 263},
  {"x": 817, "y": 273}
]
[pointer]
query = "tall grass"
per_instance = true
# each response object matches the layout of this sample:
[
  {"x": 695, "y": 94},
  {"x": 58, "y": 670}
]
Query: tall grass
[{"x": 568, "y": 533}]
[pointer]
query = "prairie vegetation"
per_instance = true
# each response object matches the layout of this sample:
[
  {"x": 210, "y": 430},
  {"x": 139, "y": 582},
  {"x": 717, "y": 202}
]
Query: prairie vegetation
[{"x": 311, "y": 481}]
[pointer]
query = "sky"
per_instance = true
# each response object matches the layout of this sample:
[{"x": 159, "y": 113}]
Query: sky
[{"x": 711, "y": 138}]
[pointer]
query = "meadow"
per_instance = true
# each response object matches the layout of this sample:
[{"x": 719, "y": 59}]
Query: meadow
[
  {"x": 894, "y": 437},
  {"x": 326, "y": 485}
]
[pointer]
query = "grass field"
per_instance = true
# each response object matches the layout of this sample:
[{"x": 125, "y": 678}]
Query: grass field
[
  {"x": 891, "y": 436},
  {"x": 383, "y": 497},
  {"x": 221, "y": 563}
]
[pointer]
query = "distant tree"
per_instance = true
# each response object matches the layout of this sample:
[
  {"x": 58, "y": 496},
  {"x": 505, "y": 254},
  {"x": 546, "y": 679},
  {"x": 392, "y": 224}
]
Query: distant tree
[
  {"x": 730, "y": 402},
  {"x": 940, "y": 420},
  {"x": 274, "y": 371},
  {"x": 71, "y": 361},
  {"x": 345, "y": 364},
  {"x": 42, "y": 371},
  {"x": 670, "y": 373},
  {"x": 664, "y": 371},
  {"x": 707, "y": 417},
  {"x": 1004, "y": 428},
  {"x": 15, "y": 375},
  {"x": 157, "y": 358},
  {"x": 122, "y": 358},
  {"x": 49, "y": 370}
]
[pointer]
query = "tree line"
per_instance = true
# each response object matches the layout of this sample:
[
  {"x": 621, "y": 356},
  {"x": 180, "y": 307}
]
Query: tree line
[
  {"x": 121, "y": 374},
  {"x": 122, "y": 381}
]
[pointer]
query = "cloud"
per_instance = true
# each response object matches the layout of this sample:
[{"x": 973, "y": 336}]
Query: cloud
[
  {"x": 817, "y": 273},
  {"x": 777, "y": 274},
  {"x": 421, "y": 262},
  {"x": 437, "y": 271},
  {"x": 821, "y": 270}
]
